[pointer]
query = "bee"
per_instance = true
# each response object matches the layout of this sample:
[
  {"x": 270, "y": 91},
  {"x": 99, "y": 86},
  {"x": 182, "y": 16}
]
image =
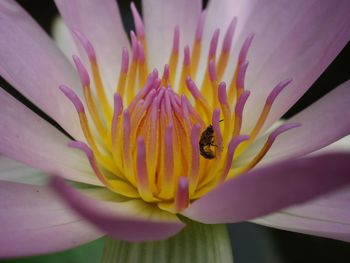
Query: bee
[{"x": 206, "y": 142}]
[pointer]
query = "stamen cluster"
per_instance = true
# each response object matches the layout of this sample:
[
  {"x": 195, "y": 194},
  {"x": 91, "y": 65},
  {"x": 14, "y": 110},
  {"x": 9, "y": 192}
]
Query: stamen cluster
[{"x": 150, "y": 143}]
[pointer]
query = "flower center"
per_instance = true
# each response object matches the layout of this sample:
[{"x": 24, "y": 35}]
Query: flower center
[{"x": 165, "y": 140}]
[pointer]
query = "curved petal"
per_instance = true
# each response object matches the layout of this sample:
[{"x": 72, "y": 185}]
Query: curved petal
[
  {"x": 129, "y": 221},
  {"x": 341, "y": 145},
  {"x": 34, "y": 221},
  {"x": 328, "y": 216},
  {"x": 322, "y": 123},
  {"x": 100, "y": 22},
  {"x": 293, "y": 39},
  {"x": 265, "y": 190},
  {"x": 161, "y": 18},
  {"x": 13, "y": 171},
  {"x": 31, "y": 62},
  {"x": 63, "y": 38},
  {"x": 26, "y": 137}
]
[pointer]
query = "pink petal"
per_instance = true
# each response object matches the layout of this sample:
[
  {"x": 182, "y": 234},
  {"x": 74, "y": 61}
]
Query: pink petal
[
  {"x": 33, "y": 64},
  {"x": 100, "y": 22},
  {"x": 161, "y": 18},
  {"x": 13, "y": 171},
  {"x": 328, "y": 216},
  {"x": 149, "y": 224},
  {"x": 265, "y": 190},
  {"x": 293, "y": 39},
  {"x": 27, "y": 138},
  {"x": 322, "y": 123},
  {"x": 34, "y": 221}
]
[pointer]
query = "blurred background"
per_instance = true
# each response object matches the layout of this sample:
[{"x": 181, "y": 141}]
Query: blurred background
[{"x": 250, "y": 242}]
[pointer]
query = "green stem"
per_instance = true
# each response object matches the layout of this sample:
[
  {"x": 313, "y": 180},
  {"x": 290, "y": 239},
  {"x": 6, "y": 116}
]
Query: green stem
[{"x": 197, "y": 243}]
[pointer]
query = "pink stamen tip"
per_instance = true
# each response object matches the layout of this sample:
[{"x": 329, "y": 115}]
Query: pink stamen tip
[
  {"x": 125, "y": 60},
  {"x": 222, "y": 94},
  {"x": 241, "y": 74},
  {"x": 200, "y": 26},
  {"x": 187, "y": 56},
  {"x": 140, "y": 51},
  {"x": 70, "y": 94},
  {"x": 155, "y": 73},
  {"x": 216, "y": 127},
  {"x": 216, "y": 116},
  {"x": 214, "y": 43},
  {"x": 166, "y": 72},
  {"x": 176, "y": 40},
  {"x": 134, "y": 44},
  {"x": 140, "y": 29},
  {"x": 83, "y": 147},
  {"x": 182, "y": 194},
  {"x": 241, "y": 102},
  {"x": 226, "y": 45},
  {"x": 281, "y": 129},
  {"x": 244, "y": 50},
  {"x": 126, "y": 122},
  {"x": 89, "y": 49},
  {"x": 236, "y": 141},
  {"x": 277, "y": 90},
  {"x": 83, "y": 74},
  {"x": 212, "y": 71},
  {"x": 193, "y": 88},
  {"x": 234, "y": 144},
  {"x": 118, "y": 104},
  {"x": 156, "y": 83},
  {"x": 195, "y": 135}
]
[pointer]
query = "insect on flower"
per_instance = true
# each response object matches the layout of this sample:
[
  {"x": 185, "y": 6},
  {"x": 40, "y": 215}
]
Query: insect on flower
[{"x": 206, "y": 142}]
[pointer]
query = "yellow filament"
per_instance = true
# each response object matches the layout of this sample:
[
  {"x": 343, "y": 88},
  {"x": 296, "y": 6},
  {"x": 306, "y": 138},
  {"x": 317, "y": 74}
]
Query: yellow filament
[
  {"x": 121, "y": 84},
  {"x": 142, "y": 73},
  {"x": 100, "y": 90},
  {"x": 174, "y": 58},
  {"x": 260, "y": 122},
  {"x": 195, "y": 57},
  {"x": 221, "y": 65},
  {"x": 225, "y": 109},
  {"x": 186, "y": 71},
  {"x": 131, "y": 80},
  {"x": 232, "y": 88},
  {"x": 94, "y": 112}
]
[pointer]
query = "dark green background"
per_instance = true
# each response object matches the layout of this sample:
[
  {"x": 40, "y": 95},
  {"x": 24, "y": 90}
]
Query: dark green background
[{"x": 251, "y": 243}]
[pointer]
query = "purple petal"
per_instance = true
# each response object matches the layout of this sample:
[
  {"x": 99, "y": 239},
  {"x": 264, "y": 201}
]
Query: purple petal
[
  {"x": 322, "y": 123},
  {"x": 161, "y": 18},
  {"x": 328, "y": 216},
  {"x": 265, "y": 190},
  {"x": 34, "y": 221},
  {"x": 101, "y": 23},
  {"x": 293, "y": 39},
  {"x": 146, "y": 225},
  {"x": 31, "y": 62},
  {"x": 29, "y": 139}
]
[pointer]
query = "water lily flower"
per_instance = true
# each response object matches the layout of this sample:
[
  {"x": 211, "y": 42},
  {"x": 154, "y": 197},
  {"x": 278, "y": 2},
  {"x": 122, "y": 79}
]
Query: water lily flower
[{"x": 175, "y": 126}]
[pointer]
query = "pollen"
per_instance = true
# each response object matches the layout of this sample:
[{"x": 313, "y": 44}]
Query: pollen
[{"x": 153, "y": 138}]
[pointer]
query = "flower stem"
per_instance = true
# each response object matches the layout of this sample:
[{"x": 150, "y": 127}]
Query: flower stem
[{"x": 197, "y": 243}]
